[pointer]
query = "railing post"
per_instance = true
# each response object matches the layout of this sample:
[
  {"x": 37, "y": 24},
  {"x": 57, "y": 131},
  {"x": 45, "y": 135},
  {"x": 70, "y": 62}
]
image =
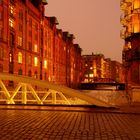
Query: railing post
[
  {"x": 24, "y": 94},
  {"x": 53, "y": 96}
]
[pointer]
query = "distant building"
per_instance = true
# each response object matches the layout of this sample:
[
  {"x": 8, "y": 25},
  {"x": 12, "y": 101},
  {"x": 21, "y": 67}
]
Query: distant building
[
  {"x": 97, "y": 68},
  {"x": 31, "y": 45},
  {"x": 131, "y": 34}
]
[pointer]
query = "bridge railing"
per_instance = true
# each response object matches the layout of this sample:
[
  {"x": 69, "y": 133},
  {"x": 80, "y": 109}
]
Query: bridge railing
[{"x": 26, "y": 90}]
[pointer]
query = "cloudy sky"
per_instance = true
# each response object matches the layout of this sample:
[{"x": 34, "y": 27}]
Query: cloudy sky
[{"x": 94, "y": 23}]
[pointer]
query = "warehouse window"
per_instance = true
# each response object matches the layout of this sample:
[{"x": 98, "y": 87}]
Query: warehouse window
[
  {"x": 35, "y": 61},
  {"x": 20, "y": 57}
]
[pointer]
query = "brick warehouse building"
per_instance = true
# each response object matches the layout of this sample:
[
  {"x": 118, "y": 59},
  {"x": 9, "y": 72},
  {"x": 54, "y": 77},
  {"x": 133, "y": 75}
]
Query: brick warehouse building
[
  {"x": 31, "y": 44},
  {"x": 131, "y": 34},
  {"x": 97, "y": 68}
]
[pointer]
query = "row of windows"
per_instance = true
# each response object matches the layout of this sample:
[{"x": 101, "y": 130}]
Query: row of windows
[
  {"x": 20, "y": 43},
  {"x": 20, "y": 59},
  {"x": 20, "y": 72},
  {"x": 35, "y": 75}
]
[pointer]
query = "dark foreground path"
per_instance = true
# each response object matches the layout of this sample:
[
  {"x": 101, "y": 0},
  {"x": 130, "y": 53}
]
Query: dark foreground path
[{"x": 68, "y": 124}]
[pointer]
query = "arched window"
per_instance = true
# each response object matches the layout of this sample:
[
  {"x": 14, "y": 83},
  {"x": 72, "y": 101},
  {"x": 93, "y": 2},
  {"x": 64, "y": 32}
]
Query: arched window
[{"x": 20, "y": 57}]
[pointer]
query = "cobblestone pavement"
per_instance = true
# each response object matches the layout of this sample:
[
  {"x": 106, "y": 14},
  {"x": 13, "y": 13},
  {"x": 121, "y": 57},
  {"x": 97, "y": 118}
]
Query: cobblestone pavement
[{"x": 68, "y": 125}]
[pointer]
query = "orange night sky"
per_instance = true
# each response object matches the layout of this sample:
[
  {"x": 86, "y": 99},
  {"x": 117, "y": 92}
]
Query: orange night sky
[{"x": 95, "y": 24}]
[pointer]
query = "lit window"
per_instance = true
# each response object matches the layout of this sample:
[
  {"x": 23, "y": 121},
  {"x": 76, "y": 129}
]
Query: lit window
[
  {"x": 86, "y": 80},
  {"x": 11, "y": 23},
  {"x": 35, "y": 48},
  {"x": 49, "y": 78},
  {"x": 45, "y": 64},
  {"x": 90, "y": 75},
  {"x": 129, "y": 45},
  {"x": 91, "y": 68},
  {"x": 136, "y": 4},
  {"x": 86, "y": 65},
  {"x": 20, "y": 57},
  {"x": 29, "y": 60},
  {"x": 86, "y": 75},
  {"x": 19, "y": 41},
  {"x": 35, "y": 61},
  {"x": 11, "y": 9},
  {"x": 10, "y": 57}
]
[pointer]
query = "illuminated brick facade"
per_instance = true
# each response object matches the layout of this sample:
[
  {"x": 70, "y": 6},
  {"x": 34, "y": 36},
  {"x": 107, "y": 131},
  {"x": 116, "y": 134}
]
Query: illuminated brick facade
[
  {"x": 131, "y": 34},
  {"x": 31, "y": 44},
  {"x": 100, "y": 69}
]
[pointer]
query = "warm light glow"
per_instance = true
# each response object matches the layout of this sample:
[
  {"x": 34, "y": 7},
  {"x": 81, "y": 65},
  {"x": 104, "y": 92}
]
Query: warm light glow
[
  {"x": 64, "y": 48},
  {"x": 11, "y": 9},
  {"x": 35, "y": 48},
  {"x": 129, "y": 45},
  {"x": 49, "y": 78},
  {"x": 136, "y": 24},
  {"x": 86, "y": 80},
  {"x": 45, "y": 64},
  {"x": 10, "y": 59},
  {"x": 91, "y": 75},
  {"x": 136, "y": 4},
  {"x": 19, "y": 41},
  {"x": 11, "y": 23},
  {"x": 35, "y": 61},
  {"x": 20, "y": 57},
  {"x": 91, "y": 68}
]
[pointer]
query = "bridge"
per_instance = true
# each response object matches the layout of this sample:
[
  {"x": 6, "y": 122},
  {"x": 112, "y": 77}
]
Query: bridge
[
  {"x": 103, "y": 85},
  {"x": 27, "y": 90}
]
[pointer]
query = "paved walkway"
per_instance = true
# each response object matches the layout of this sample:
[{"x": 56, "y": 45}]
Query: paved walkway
[{"x": 68, "y": 123}]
